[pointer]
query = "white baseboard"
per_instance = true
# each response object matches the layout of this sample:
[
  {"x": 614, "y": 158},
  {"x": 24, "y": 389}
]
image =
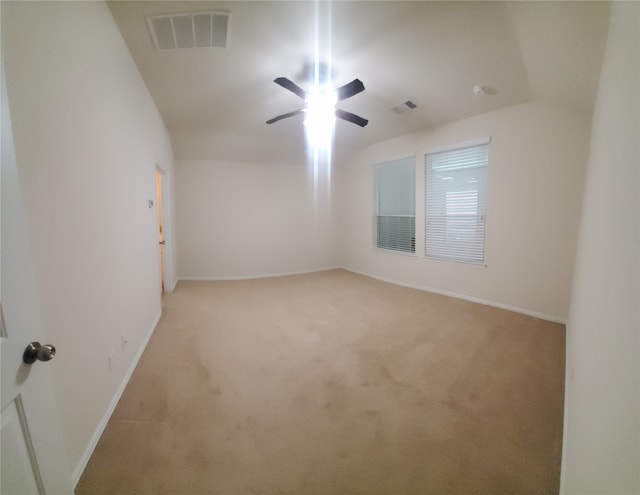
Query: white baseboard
[
  {"x": 535, "y": 314},
  {"x": 252, "y": 277},
  {"x": 77, "y": 472}
]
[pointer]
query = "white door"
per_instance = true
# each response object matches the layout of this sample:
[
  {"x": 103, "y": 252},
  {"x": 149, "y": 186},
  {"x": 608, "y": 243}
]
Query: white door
[{"x": 33, "y": 460}]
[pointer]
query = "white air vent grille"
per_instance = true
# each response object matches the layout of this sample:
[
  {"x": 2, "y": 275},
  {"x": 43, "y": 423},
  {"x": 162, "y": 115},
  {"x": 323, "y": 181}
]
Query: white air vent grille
[
  {"x": 406, "y": 106},
  {"x": 198, "y": 30}
]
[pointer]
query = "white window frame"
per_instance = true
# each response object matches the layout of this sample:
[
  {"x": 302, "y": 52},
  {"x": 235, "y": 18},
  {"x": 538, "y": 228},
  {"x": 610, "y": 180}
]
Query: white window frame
[
  {"x": 455, "y": 230},
  {"x": 397, "y": 208}
]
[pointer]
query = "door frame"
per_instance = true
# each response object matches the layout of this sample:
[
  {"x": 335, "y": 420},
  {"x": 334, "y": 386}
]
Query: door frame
[{"x": 167, "y": 231}]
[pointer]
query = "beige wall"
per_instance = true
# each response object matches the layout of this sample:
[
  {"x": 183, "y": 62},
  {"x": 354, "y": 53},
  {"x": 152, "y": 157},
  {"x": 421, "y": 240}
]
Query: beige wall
[
  {"x": 87, "y": 140},
  {"x": 537, "y": 158},
  {"x": 240, "y": 220},
  {"x": 602, "y": 407}
]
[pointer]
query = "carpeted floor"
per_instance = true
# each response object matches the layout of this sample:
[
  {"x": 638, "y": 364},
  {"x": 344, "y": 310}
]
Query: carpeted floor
[{"x": 336, "y": 384}]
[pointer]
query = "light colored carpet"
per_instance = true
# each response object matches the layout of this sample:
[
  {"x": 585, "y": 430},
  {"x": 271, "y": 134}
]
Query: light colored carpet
[{"x": 334, "y": 383}]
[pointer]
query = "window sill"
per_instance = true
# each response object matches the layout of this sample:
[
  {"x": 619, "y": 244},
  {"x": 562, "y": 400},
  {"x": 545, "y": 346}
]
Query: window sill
[
  {"x": 391, "y": 251},
  {"x": 475, "y": 264}
]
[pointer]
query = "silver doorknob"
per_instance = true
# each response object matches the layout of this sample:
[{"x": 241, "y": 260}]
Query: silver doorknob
[{"x": 36, "y": 352}]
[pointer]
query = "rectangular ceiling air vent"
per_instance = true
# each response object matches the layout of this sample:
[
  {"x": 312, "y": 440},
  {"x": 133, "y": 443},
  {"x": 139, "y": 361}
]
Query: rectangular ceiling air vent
[
  {"x": 407, "y": 105},
  {"x": 196, "y": 30}
]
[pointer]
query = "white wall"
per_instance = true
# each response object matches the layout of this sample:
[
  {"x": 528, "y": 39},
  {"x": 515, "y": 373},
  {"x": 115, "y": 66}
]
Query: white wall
[
  {"x": 240, "y": 220},
  {"x": 602, "y": 410},
  {"x": 536, "y": 167},
  {"x": 87, "y": 139}
]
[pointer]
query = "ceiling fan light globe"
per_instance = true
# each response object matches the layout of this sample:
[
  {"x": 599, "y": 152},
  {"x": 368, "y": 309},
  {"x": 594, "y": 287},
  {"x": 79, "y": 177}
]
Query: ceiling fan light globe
[{"x": 320, "y": 116}]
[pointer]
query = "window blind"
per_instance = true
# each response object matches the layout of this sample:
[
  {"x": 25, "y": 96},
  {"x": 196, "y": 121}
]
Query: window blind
[
  {"x": 455, "y": 197},
  {"x": 395, "y": 218}
]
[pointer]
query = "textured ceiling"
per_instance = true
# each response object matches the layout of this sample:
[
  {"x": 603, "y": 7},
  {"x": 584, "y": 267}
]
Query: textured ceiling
[{"x": 215, "y": 101}]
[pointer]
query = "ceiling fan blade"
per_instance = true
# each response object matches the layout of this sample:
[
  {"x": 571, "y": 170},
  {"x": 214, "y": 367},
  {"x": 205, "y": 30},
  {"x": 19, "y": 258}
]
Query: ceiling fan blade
[
  {"x": 291, "y": 86},
  {"x": 351, "y": 117},
  {"x": 348, "y": 90},
  {"x": 284, "y": 116}
]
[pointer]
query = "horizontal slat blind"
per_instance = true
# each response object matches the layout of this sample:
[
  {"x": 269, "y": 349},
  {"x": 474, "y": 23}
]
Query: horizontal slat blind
[
  {"x": 395, "y": 221},
  {"x": 456, "y": 183}
]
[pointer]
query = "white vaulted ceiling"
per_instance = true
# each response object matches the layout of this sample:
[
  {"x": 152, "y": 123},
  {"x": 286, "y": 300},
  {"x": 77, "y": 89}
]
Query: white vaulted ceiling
[{"x": 215, "y": 101}]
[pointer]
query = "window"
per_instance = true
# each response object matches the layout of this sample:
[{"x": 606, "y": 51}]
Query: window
[
  {"x": 395, "y": 218},
  {"x": 456, "y": 183}
]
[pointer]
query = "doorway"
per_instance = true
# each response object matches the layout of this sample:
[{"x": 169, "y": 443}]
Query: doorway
[{"x": 160, "y": 225}]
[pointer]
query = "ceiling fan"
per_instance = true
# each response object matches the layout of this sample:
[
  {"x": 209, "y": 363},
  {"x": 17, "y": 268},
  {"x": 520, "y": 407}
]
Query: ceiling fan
[{"x": 342, "y": 93}]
